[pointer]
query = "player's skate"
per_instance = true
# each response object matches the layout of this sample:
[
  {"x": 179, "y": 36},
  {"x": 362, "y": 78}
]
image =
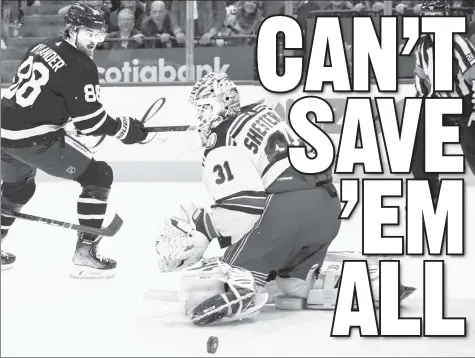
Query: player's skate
[
  {"x": 87, "y": 263},
  {"x": 8, "y": 259}
]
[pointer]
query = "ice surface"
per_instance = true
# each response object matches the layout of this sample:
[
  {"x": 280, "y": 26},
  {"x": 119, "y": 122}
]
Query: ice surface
[{"x": 46, "y": 313}]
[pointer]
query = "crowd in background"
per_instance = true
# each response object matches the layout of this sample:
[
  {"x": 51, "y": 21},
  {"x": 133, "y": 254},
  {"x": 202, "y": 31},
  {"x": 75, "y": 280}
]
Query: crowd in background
[{"x": 136, "y": 20}]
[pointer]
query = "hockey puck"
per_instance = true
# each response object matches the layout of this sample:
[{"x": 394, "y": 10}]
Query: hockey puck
[{"x": 212, "y": 345}]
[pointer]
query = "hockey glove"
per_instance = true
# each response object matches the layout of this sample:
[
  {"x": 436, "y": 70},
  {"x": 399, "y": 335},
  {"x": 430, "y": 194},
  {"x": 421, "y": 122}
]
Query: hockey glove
[
  {"x": 131, "y": 131},
  {"x": 179, "y": 245}
]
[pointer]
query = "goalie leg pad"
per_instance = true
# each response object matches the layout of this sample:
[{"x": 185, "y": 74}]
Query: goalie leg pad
[
  {"x": 324, "y": 297},
  {"x": 295, "y": 291},
  {"x": 212, "y": 291},
  {"x": 324, "y": 293},
  {"x": 313, "y": 293},
  {"x": 222, "y": 305}
]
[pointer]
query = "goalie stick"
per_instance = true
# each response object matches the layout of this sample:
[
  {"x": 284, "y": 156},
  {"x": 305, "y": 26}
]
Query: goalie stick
[
  {"x": 109, "y": 230},
  {"x": 167, "y": 129}
]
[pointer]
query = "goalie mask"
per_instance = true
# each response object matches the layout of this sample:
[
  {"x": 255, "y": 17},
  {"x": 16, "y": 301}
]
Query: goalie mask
[{"x": 215, "y": 98}]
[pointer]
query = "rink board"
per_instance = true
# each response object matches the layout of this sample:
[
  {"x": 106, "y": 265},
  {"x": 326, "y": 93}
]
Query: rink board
[
  {"x": 175, "y": 157},
  {"x": 190, "y": 171}
]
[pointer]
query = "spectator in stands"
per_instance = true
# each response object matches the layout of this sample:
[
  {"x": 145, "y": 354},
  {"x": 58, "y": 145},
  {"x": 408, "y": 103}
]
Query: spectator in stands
[
  {"x": 12, "y": 9},
  {"x": 132, "y": 37},
  {"x": 376, "y": 6},
  {"x": 4, "y": 26},
  {"x": 243, "y": 18},
  {"x": 158, "y": 24},
  {"x": 19, "y": 13},
  {"x": 209, "y": 19},
  {"x": 148, "y": 5},
  {"x": 116, "y": 4},
  {"x": 338, "y": 5},
  {"x": 408, "y": 7},
  {"x": 464, "y": 4},
  {"x": 276, "y": 7},
  {"x": 342, "y": 8},
  {"x": 303, "y": 9},
  {"x": 137, "y": 8}
]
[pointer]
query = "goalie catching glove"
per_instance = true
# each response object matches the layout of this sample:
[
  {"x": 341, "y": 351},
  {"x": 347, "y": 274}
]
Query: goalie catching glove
[
  {"x": 179, "y": 244},
  {"x": 213, "y": 291}
]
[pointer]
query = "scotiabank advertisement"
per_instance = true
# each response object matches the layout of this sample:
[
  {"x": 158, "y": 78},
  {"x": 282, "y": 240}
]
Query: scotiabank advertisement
[{"x": 169, "y": 64}]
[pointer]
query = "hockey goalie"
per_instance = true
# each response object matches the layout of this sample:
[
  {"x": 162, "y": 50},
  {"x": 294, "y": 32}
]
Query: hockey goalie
[{"x": 274, "y": 223}]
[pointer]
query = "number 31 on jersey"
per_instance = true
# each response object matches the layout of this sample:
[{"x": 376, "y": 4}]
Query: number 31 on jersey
[{"x": 224, "y": 172}]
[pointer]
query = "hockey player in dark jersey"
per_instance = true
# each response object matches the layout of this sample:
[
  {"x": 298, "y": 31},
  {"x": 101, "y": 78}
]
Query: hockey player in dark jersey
[{"x": 57, "y": 84}]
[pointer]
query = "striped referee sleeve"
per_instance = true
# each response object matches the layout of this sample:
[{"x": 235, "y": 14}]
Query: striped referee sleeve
[
  {"x": 464, "y": 53},
  {"x": 419, "y": 74}
]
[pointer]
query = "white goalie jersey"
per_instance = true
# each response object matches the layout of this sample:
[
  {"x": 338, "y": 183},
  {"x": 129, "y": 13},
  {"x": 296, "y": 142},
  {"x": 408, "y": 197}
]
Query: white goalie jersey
[{"x": 244, "y": 156}]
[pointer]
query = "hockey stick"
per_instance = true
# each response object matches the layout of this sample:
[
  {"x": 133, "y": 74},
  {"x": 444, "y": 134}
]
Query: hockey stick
[
  {"x": 167, "y": 129},
  {"x": 109, "y": 230}
]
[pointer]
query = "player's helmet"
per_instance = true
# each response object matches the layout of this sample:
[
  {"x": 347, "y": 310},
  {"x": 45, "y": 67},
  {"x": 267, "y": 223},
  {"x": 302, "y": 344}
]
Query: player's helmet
[
  {"x": 435, "y": 7},
  {"x": 215, "y": 98},
  {"x": 84, "y": 14}
]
